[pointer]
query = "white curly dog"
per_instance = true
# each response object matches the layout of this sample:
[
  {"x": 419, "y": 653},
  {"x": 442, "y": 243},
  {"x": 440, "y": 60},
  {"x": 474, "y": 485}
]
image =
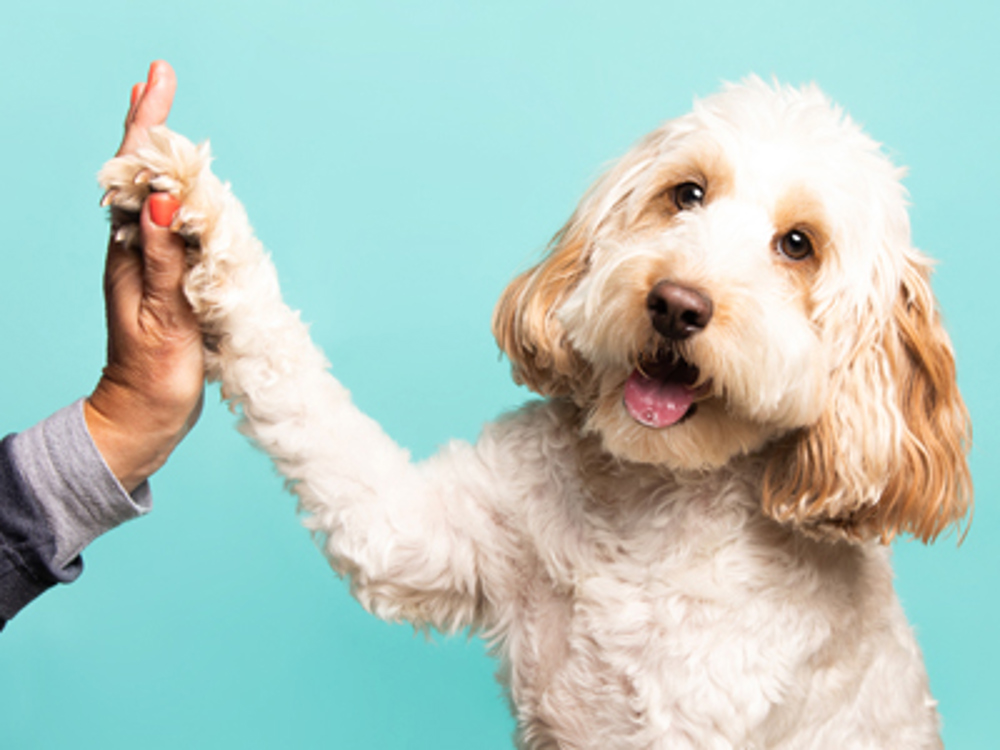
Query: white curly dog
[{"x": 747, "y": 394}]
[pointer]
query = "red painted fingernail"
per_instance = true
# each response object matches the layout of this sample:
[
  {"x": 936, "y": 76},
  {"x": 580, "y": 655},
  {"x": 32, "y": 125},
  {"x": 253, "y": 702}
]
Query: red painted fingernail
[
  {"x": 162, "y": 208},
  {"x": 136, "y": 89}
]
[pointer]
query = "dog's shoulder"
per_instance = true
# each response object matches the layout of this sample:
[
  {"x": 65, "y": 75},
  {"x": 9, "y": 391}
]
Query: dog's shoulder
[{"x": 538, "y": 441}]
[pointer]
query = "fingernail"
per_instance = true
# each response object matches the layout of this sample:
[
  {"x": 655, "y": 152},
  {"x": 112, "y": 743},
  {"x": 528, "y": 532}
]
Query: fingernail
[
  {"x": 136, "y": 92},
  {"x": 162, "y": 208}
]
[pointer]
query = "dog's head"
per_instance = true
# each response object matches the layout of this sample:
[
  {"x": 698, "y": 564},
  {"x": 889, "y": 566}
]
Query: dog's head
[{"x": 742, "y": 282}]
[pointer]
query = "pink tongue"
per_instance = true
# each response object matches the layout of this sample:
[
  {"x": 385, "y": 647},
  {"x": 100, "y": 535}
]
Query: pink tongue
[{"x": 655, "y": 403}]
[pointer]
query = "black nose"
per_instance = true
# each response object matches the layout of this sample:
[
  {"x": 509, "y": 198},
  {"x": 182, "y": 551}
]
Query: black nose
[{"x": 678, "y": 312}]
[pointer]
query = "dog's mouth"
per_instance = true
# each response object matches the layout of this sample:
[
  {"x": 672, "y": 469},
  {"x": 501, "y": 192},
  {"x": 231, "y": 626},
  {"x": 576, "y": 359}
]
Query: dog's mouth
[{"x": 663, "y": 392}]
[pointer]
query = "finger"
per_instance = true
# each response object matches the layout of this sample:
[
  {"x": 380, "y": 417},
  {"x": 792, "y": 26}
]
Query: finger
[
  {"x": 162, "y": 208},
  {"x": 152, "y": 103},
  {"x": 123, "y": 287},
  {"x": 163, "y": 251},
  {"x": 137, "y": 91}
]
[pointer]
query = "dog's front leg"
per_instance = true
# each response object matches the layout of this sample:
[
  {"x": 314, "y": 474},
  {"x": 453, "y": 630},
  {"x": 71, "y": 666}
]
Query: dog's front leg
[{"x": 419, "y": 542}]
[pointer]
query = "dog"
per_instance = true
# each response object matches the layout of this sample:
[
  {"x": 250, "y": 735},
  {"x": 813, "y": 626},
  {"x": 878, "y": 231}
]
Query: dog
[{"x": 746, "y": 391}]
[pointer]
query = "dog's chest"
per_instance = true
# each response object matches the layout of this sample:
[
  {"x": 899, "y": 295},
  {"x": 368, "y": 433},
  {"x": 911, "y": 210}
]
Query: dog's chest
[{"x": 689, "y": 614}]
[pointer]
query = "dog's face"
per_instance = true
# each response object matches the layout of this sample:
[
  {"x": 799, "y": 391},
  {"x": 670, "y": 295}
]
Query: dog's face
[{"x": 743, "y": 281}]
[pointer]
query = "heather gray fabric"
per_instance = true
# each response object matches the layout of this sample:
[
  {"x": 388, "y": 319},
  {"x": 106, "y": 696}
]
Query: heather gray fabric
[
  {"x": 27, "y": 544},
  {"x": 67, "y": 476},
  {"x": 56, "y": 495}
]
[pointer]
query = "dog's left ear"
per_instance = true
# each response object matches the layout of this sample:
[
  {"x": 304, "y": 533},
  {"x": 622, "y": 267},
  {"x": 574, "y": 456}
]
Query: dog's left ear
[{"x": 888, "y": 455}]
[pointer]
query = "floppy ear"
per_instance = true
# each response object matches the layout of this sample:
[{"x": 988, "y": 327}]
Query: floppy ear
[
  {"x": 525, "y": 323},
  {"x": 888, "y": 455}
]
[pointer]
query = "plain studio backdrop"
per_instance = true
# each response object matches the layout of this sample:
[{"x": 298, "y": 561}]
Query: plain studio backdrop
[{"x": 402, "y": 161}]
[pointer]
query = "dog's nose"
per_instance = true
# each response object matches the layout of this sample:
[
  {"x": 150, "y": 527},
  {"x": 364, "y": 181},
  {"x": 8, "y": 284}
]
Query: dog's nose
[{"x": 678, "y": 312}]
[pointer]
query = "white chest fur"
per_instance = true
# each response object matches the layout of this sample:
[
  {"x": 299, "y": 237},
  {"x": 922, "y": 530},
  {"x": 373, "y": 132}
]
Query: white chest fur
[{"x": 654, "y": 613}]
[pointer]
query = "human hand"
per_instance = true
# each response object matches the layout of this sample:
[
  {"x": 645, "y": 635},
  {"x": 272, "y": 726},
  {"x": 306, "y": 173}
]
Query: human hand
[{"x": 150, "y": 393}]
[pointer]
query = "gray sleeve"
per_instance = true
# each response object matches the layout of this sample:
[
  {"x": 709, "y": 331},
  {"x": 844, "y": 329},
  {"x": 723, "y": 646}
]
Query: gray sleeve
[{"x": 67, "y": 476}]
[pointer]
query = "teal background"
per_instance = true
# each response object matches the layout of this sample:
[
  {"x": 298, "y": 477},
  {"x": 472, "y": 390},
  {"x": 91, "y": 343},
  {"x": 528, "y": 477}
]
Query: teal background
[{"x": 403, "y": 160}]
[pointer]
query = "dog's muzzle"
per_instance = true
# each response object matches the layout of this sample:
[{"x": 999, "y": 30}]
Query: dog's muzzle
[{"x": 664, "y": 391}]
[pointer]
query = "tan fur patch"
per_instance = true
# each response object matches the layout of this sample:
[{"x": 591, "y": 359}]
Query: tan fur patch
[
  {"x": 708, "y": 168},
  {"x": 926, "y": 486},
  {"x": 525, "y": 325},
  {"x": 800, "y": 209}
]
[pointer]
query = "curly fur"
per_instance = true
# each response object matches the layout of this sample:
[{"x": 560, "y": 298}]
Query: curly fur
[{"x": 721, "y": 582}]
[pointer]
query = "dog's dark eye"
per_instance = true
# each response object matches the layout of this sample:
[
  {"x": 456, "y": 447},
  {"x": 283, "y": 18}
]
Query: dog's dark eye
[
  {"x": 796, "y": 245},
  {"x": 688, "y": 195}
]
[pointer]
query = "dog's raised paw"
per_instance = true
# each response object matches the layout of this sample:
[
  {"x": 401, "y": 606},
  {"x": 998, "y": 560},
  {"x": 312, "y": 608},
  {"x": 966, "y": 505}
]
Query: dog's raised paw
[
  {"x": 229, "y": 277},
  {"x": 168, "y": 163}
]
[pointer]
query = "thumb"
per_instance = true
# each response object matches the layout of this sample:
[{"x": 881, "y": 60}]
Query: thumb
[{"x": 163, "y": 251}]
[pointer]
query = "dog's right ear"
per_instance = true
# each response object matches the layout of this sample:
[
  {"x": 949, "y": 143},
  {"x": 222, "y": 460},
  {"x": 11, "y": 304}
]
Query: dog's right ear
[{"x": 525, "y": 323}]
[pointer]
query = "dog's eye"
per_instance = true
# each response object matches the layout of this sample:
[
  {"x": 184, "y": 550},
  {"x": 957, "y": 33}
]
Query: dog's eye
[
  {"x": 688, "y": 195},
  {"x": 796, "y": 245}
]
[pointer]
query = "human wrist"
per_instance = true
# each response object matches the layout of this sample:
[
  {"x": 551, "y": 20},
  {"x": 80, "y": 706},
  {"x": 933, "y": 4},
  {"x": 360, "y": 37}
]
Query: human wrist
[{"x": 135, "y": 434}]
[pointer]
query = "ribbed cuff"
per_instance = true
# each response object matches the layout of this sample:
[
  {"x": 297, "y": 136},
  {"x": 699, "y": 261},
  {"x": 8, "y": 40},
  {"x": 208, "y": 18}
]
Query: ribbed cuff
[{"x": 69, "y": 478}]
